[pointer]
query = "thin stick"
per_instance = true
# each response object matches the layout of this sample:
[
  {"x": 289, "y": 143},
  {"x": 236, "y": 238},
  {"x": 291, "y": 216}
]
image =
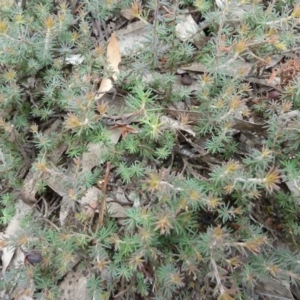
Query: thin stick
[
  {"x": 155, "y": 41},
  {"x": 103, "y": 200}
]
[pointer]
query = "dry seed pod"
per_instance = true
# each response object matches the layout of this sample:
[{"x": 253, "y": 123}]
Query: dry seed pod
[
  {"x": 33, "y": 257},
  {"x": 273, "y": 95}
]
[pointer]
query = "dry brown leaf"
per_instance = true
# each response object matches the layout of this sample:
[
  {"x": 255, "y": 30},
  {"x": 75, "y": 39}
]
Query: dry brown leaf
[
  {"x": 113, "y": 54},
  {"x": 114, "y": 57}
]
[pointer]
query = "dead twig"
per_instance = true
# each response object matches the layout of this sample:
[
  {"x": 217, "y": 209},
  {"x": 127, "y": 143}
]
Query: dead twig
[
  {"x": 155, "y": 39},
  {"x": 122, "y": 117},
  {"x": 102, "y": 203}
]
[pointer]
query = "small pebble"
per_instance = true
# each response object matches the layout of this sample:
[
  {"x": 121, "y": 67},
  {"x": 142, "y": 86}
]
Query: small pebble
[{"x": 186, "y": 79}]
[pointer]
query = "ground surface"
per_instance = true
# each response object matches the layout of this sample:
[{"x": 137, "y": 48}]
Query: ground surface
[{"x": 88, "y": 180}]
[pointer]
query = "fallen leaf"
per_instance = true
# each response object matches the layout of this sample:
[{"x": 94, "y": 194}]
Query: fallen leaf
[
  {"x": 116, "y": 210},
  {"x": 91, "y": 198},
  {"x": 95, "y": 153},
  {"x": 133, "y": 36},
  {"x": 113, "y": 58},
  {"x": 188, "y": 30},
  {"x": 74, "y": 284},
  {"x": 135, "y": 198},
  {"x": 11, "y": 255},
  {"x": 272, "y": 288}
]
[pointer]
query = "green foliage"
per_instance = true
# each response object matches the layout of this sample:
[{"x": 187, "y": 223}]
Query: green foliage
[{"x": 189, "y": 224}]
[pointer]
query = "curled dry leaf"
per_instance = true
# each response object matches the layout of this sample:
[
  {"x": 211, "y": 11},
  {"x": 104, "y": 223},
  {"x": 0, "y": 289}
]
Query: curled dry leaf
[{"x": 114, "y": 58}]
